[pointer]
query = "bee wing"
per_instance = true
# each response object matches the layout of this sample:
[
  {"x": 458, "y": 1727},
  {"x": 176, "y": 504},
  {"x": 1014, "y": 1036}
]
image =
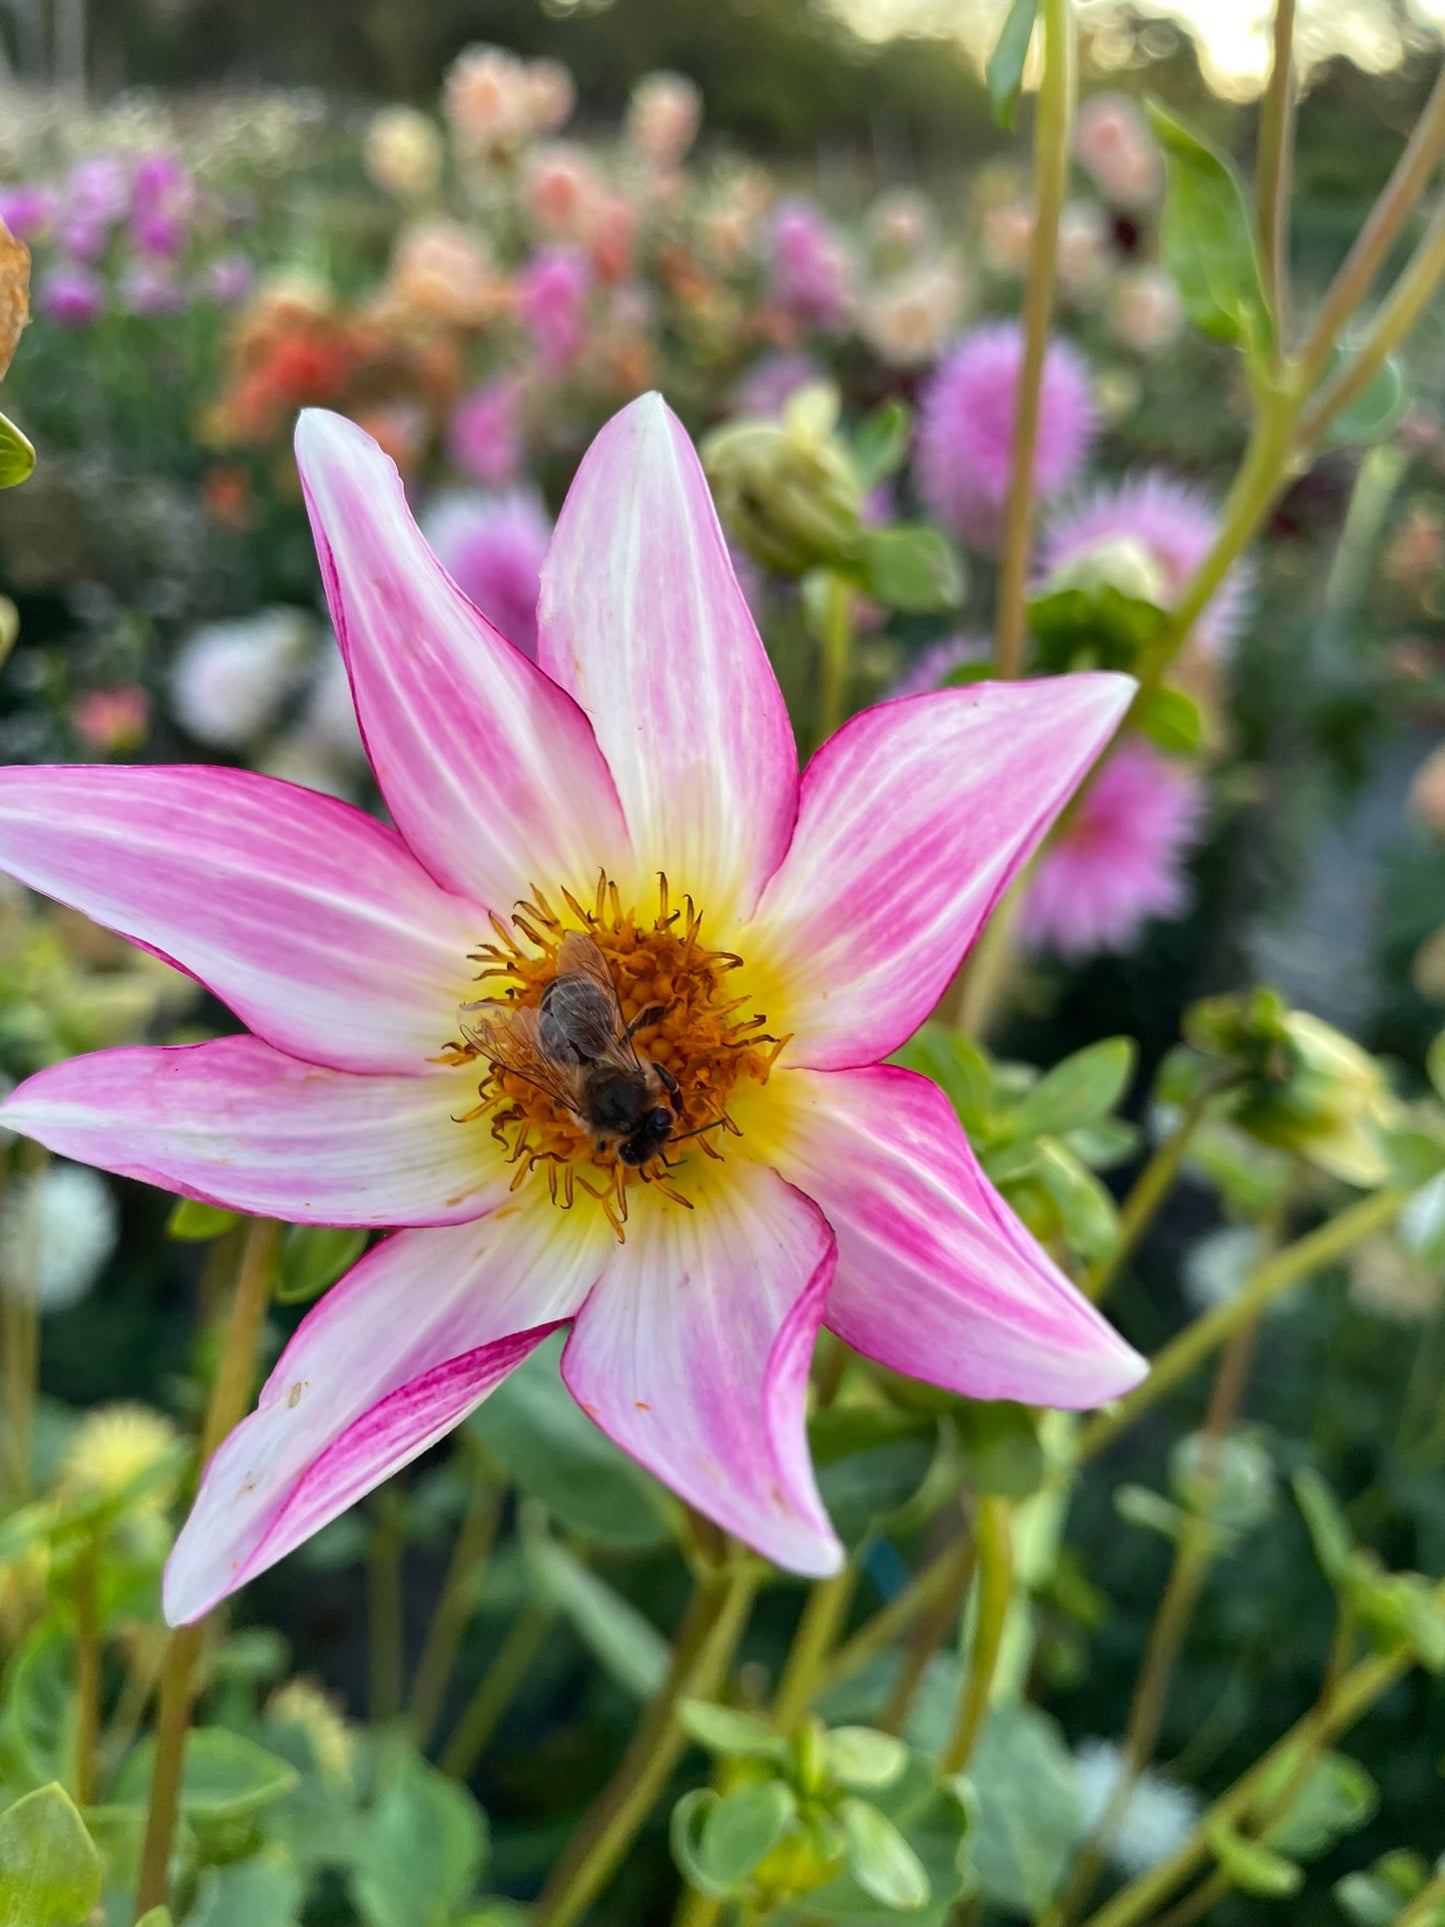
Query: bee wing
[
  {"x": 509, "y": 1037},
  {"x": 599, "y": 1030}
]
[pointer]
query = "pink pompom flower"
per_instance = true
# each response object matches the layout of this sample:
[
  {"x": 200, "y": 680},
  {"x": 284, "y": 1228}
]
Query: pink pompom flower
[
  {"x": 1120, "y": 861},
  {"x": 964, "y": 447},
  {"x": 812, "y": 270},
  {"x": 493, "y": 548},
  {"x": 71, "y": 295},
  {"x": 552, "y": 294},
  {"x": 484, "y": 435},
  {"x": 1175, "y": 523},
  {"x": 770, "y": 938}
]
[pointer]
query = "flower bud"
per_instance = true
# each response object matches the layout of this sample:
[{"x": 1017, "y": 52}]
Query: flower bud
[
  {"x": 1119, "y": 562},
  {"x": 788, "y": 490}
]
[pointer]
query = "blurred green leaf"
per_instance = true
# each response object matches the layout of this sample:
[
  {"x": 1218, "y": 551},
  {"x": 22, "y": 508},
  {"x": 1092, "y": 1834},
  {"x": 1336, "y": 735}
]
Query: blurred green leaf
[
  {"x": 1000, "y": 1446},
  {"x": 1138, "y": 1506},
  {"x": 224, "y": 1776},
  {"x": 193, "y": 1222},
  {"x": 910, "y": 567},
  {"x": 264, "y": 1891},
  {"x": 17, "y": 456},
  {"x": 881, "y": 1860},
  {"x": 1374, "y": 413},
  {"x": 729, "y": 1734},
  {"x": 157, "y": 1917},
  {"x": 1089, "y": 1216},
  {"x": 1027, "y": 1821},
  {"x": 1005, "y": 70},
  {"x": 1208, "y": 240},
  {"x": 626, "y": 1645},
  {"x": 1098, "y": 627},
  {"x": 880, "y": 447},
  {"x": 1329, "y": 1530},
  {"x": 1337, "y": 1797},
  {"x": 1172, "y": 720},
  {"x": 50, "y": 1871},
  {"x": 421, "y": 1848},
  {"x": 859, "y": 1757},
  {"x": 1082, "y": 1088},
  {"x": 1253, "y": 1868},
  {"x": 685, "y": 1832},
  {"x": 956, "y": 1065},
  {"x": 40, "y": 1714},
  {"x": 559, "y": 1457},
  {"x": 743, "y": 1828},
  {"x": 313, "y": 1257},
  {"x": 1435, "y": 1063}
]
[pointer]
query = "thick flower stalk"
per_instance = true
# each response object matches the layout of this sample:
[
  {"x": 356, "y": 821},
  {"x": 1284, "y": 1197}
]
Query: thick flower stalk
[{"x": 763, "y": 940}]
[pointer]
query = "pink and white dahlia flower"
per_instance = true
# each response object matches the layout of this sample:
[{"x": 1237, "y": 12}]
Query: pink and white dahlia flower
[{"x": 770, "y": 938}]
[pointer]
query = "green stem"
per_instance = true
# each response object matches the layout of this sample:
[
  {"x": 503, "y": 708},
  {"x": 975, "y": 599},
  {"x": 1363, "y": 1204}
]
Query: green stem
[
  {"x": 495, "y": 1693},
  {"x": 993, "y": 1539},
  {"x": 1146, "y": 1194},
  {"x": 1421, "y": 1910},
  {"x": 706, "y": 1640},
  {"x": 230, "y": 1395},
  {"x": 1179, "y": 1358},
  {"x": 837, "y": 657},
  {"x": 1372, "y": 245},
  {"x": 454, "y": 1609},
  {"x": 933, "y": 1627},
  {"x": 1354, "y": 1694},
  {"x": 890, "y": 1622},
  {"x": 1399, "y": 312},
  {"x": 20, "y": 1323},
  {"x": 1276, "y": 142},
  {"x": 826, "y": 1609},
  {"x": 697, "y": 1910},
  {"x": 1053, "y": 144}
]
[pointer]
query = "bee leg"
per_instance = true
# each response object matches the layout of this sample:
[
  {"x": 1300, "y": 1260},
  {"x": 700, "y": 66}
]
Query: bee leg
[
  {"x": 671, "y": 1086},
  {"x": 654, "y": 1014}
]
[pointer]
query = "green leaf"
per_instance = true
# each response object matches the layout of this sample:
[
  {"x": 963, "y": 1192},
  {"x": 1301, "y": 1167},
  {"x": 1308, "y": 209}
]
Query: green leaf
[
  {"x": 1138, "y": 1506},
  {"x": 956, "y": 1065},
  {"x": 1435, "y": 1063},
  {"x": 910, "y": 567},
  {"x": 1000, "y": 1446},
  {"x": 881, "y": 1860},
  {"x": 623, "y": 1643},
  {"x": 194, "y": 1222},
  {"x": 1005, "y": 70},
  {"x": 40, "y": 1717},
  {"x": 1253, "y": 1868},
  {"x": 313, "y": 1257},
  {"x": 1096, "y": 627},
  {"x": 224, "y": 1776},
  {"x": 1329, "y": 1530},
  {"x": 1337, "y": 1797},
  {"x": 50, "y": 1871},
  {"x": 1027, "y": 1821},
  {"x": 1415, "y": 1156},
  {"x": 420, "y": 1849},
  {"x": 157, "y": 1917},
  {"x": 743, "y": 1828},
  {"x": 264, "y": 1891},
  {"x": 859, "y": 1757},
  {"x": 1374, "y": 413},
  {"x": 880, "y": 448},
  {"x": 1172, "y": 720},
  {"x": 1088, "y": 1213},
  {"x": 729, "y": 1734},
  {"x": 1082, "y": 1088},
  {"x": 17, "y": 456},
  {"x": 685, "y": 1833},
  {"x": 1208, "y": 240},
  {"x": 557, "y": 1456}
]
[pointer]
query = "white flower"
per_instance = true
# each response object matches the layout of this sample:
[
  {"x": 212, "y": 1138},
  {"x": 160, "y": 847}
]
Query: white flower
[
  {"x": 60, "y": 1227},
  {"x": 230, "y": 678},
  {"x": 328, "y": 721},
  {"x": 1157, "y": 1819}
]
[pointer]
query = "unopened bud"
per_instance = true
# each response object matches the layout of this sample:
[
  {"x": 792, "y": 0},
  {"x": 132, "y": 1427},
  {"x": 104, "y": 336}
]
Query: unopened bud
[
  {"x": 1120, "y": 562},
  {"x": 788, "y": 490}
]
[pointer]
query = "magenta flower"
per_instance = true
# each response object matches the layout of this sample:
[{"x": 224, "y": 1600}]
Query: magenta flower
[
  {"x": 1121, "y": 861},
  {"x": 1176, "y": 524},
  {"x": 812, "y": 272},
  {"x": 964, "y": 447},
  {"x": 493, "y": 548},
  {"x": 552, "y": 293},
  {"x": 71, "y": 296},
  {"x": 484, "y": 435},
  {"x": 770, "y": 937}
]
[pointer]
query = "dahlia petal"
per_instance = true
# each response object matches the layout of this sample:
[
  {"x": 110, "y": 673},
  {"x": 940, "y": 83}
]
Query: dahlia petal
[
  {"x": 692, "y": 1352},
  {"x": 913, "y": 821},
  {"x": 936, "y": 1276},
  {"x": 490, "y": 771},
  {"x": 312, "y": 921},
  {"x": 238, "y": 1124},
  {"x": 393, "y": 1357},
  {"x": 642, "y": 619}
]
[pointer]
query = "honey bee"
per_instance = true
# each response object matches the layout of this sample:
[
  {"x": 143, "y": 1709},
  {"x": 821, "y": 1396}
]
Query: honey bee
[{"x": 577, "y": 1047}]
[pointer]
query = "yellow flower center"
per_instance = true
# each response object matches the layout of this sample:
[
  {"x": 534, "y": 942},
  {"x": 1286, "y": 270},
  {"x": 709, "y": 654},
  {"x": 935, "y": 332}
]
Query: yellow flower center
[{"x": 681, "y": 1038}]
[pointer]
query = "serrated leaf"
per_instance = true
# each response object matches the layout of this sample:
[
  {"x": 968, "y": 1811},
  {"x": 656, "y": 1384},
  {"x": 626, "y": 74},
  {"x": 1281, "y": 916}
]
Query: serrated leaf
[
  {"x": 1005, "y": 70},
  {"x": 743, "y": 1828},
  {"x": 50, "y": 1871},
  {"x": 860, "y": 1758},
  {"x": 1253, "y": 1868},
  {"x": 1208, "y": 240},
  {"x": 17, "y": 455},
  {"x": 729, "y": 1734},
  {"x": 193, "y": 1222},
  {"x": 313, "y": 1257},
  {"x": 881, "y": 1860},
  {"x": 1082, "y": 1088}
]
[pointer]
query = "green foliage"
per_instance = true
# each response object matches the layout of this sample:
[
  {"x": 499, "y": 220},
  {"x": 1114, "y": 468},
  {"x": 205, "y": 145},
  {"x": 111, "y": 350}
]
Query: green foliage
[
  {"x": 1005, "y": 70},
  {"x": 196, "y": 1223},
  {"x": 625, "y": 1645},
  {"x": 313, "y": 1257},
  {"x": 422, "y": 1849},
  {"x": 1026, "y": 1806},
  {"x": 910, "y": 568},
  {"x": 49, "y": 1869},
  {"x": 17, "y": 456},
  {"x": 1209, "y": 243}
]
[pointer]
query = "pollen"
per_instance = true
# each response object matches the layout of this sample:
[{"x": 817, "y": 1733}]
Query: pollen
[{"x": 681, "y": 1007}]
